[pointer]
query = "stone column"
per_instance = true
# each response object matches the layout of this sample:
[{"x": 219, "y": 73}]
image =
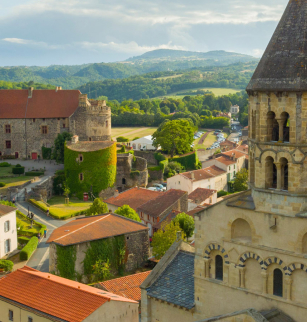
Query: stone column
[
  {"x": 242, "y": 277},
  {"x": 264, "y": 282},
  {"x": 207, "y": 268},
  {"x": 288, "y": 281},
  {"x": 270, "y": 119},
  {"x": 281, "y": 129},
  {"x": 279, "y": 175}
]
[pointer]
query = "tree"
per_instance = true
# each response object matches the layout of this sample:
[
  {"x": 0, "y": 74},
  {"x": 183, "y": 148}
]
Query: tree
[
  {"x": 186, "y": 224},
  {"x": 163, "y": 239},
  {"x": 98, "y": 207},
  {"x": 240, "y": 182},
  {"x": 59, "y": 142},
  {"x": 128, "y": 212},
  {"x": 174, "y": 136}
]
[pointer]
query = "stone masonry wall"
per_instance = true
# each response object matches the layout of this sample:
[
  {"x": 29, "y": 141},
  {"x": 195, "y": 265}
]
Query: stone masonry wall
[{"x": 149, "y": 156}]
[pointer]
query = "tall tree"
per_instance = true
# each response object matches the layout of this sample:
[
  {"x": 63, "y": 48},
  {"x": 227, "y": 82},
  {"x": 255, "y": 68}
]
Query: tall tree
[
  {"x": 128, "y": 212},
  {"x": 240, "y": 182},
  {"x": 59, "y": 142},
  {"x": 97, "y": 208},
  {"x": 174, "y": 136},
  {"x": 186, "y": 224}
]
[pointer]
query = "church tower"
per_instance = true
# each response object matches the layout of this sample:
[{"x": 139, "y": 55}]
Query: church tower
[{"x": 278, "y": 118}]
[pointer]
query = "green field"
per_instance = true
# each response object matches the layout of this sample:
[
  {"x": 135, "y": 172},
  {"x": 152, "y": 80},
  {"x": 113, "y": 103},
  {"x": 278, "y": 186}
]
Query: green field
[{"x": 132, "y": 132}]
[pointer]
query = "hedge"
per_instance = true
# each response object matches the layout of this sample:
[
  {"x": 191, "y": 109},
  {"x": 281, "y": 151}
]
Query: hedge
[
  {"x": 28, "y": 232},
  {"x": 4, "y": 164},
  {"x": 23, "y": 240},
  {"x": 222, "y": 193},
  {"x": 6, "y": 265},
  {"x": 29, "y": 249},
  {"x": 2, "y": 184},
  {"x": 7, "y": 157},
  {"x": 190, "y": 162},
  {"x": 52, "y": 214},
  {"x": 34, "y": 173},
  {"x": 18, "y": 170}
]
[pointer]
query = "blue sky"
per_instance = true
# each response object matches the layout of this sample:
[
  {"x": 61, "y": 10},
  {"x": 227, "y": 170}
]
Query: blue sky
[{"x": 45, "y": 32}]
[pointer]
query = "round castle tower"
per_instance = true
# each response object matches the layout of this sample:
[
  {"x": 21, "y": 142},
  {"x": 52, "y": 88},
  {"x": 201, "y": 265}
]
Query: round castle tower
[{"x": 278, "y": 118}]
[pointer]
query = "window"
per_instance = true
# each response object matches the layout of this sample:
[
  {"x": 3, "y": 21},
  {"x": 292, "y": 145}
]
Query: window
[
  {"x": 142, "y": 215},
  {"x": 44, "y": 129},
  {"x": 7, "y": 128},
  {"x": 278, "y": 283},
  {"x": 80, "y": 157},
  {"x": 229, "y": 168},
  {"x": 7, "y": 246},
  {"x": 148, "y": 217},
  {"x": 8, "y": 144},
  {"x": 210, "y": 200},
  {"x": 33, "y": 120},
  {"x": 234, "y": 166},
  {"x": 6, "y": 226},
  {"x": 178, "y": 182},
  {"x": 43, "y": 120},
  {"x": 30, "y": 319},
  {"x": 81, "y": 177},
  {"x": 64, "y": 125},
  {"x": 90, "y": 139},
  {"x": 11, "y": 315},
  {"x": 219, "y": 268},
  {"x": 123, "y": 181}
]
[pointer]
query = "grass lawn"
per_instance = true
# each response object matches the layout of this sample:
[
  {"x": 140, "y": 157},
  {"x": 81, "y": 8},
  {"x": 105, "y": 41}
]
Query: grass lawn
[
  {"x": 26, "y": 225},
  {"x": 210, "y": 139},
  {"x": 199, "y": 146},
  {"x": 59, "y": 208},
  {"x": 132, "y": 132},
  {"x": 5, "y": 171}
]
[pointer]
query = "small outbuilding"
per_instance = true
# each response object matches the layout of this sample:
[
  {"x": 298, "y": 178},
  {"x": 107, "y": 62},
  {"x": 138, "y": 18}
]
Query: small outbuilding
[{"x": 143, "y": 144}]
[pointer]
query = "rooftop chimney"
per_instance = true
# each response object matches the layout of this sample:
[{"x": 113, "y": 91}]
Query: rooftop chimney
[
  {"x": 192, "y": 175},
  {"x": 75, "y": 139},
  {"x": 58, "y": 88},
  {"x": 234, "y": 157},
  {"x": 116, "y": 193},
  {"x": 30, "y": 92}
]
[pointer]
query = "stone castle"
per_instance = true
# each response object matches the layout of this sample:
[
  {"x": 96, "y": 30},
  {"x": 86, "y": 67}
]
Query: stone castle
[
  {"x": 31, "y": 119},
  {"x": 250, "y": 260}
]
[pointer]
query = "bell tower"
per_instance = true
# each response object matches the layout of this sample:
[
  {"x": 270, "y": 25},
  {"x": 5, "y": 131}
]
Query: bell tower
[{"x": 278, "y": 118}]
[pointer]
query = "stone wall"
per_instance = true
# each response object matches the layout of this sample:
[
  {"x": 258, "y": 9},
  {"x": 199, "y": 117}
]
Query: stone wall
[
  {"x": 149, "y": 156},
  {"x": 44, "y": 189},
  {"x": 156, "y": 176}
]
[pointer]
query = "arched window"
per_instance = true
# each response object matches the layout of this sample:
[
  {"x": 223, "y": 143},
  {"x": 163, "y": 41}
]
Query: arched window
[
  {"x": 286, "y": 126},
  {"x": 240, "y": 229},
  {"x": 272, "y": 127},
  {"x": 123, "y": 181},
  {"x": 278, "y": 282},
  {"x": 284, "y": 174},
  {"x": 270, "y": 173},
  {"x": 218, "y": 267}
]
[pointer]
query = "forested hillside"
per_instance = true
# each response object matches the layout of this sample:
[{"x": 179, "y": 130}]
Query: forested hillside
[{"x": 157, "y": 84}]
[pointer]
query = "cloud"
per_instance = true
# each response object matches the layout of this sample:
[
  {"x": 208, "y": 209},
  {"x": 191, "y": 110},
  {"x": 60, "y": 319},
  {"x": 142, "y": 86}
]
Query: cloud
[
  {"x": 31, "y": 43},
  {"x": 257, "y": 52}
]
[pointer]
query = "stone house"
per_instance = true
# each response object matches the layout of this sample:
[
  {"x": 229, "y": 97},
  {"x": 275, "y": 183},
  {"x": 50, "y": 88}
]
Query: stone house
[
  {"x": 8, "y": 230},
  {"x": 234, "y": 109},
  {"x": 60, "y": 300},
  {"x": 202, "y": 197},
  {"x": 81, "y": 232},
  {"x": 134, "y": 198},
  {"x": 31, "y": 119},
  {"x": 155, "y": 211},
  {"x": 211, "y": 177}
]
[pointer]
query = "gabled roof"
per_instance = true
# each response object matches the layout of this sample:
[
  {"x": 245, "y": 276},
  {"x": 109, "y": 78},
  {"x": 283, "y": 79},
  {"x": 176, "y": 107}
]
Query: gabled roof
[
  {"x": 243, "y": 148},
  {"x": 134, "y": 197},
  {"x": 14, "y": 103},
  {"x": 196, "y": 210},
  {"x": 53, "y": 296},
  {"x": 94, "y": 228},
  {"x": 158, "y": 205},
  {"x": 228, "y": 143},
  {"x": 147, "y": 139},
  {"x": 237, "y": 154},
  {"x": 203, "y": 174},
  {"x": 176, "y": 283},
  {"x": 199, "y": 195},
  {"x": 283, "y": 64},
  {"x": 127, "y": 286},
  {"x": 225, "y": 160},
  {"x": 4, "y": 210}
]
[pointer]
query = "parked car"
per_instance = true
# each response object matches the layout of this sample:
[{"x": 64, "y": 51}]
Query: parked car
[
  {"x": 152, "y": 189},
  {"x": 159, "y": 186}
]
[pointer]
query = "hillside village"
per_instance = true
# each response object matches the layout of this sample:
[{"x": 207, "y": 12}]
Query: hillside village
[{"x": 185, "y": 223}]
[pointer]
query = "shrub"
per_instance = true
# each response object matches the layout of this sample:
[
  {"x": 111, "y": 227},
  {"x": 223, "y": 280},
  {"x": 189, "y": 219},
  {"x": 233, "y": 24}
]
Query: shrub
[
  {"x": 34, "y": 173},
  {"x": 30, "y": 232},
  {"x": 18, "y": 170},
  {"x": 122, "y": 139},
  {"x": 222, "y": 193},
  {"x": 2, "y": 184},
  {"x": 7, "y": 157},
  {"x": 157, "y": 168},
  {"x": 18, "y": 165},
  {"x": 29, "y": 249},
  {"x": 23, "y": 240},
  {"x": 4, "y": 164},
  {"x": 7, "y": 203},
  {"x": 59, "y": 172},
  {"x": 6, "y": 265},
  {"x": 46, "y": 152}
]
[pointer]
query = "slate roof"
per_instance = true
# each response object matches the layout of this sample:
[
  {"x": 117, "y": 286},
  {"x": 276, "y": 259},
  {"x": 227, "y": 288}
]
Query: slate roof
[
  {"x": 157, "y": 206},
  {"x": 54, "y": 296},
  {"x": 14, "y": 103},
  {"x": 127, "y": 286},
  {"x": 201, "y": 194},
  {"x": 176, "y": 284},
  {"x": 4, "y": 210},
  {"x": 283, "y": 64},
  {"x": 134, "y": 197},
  {"x": 93, "y": 228},
  {"x": 89, "y": 146}
]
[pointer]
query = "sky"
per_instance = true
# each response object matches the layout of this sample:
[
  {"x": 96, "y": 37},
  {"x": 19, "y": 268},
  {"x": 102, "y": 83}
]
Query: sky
[{"x": 68, "y": 32}]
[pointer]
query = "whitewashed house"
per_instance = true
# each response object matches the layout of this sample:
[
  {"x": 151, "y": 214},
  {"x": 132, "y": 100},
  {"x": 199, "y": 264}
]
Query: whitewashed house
[
  {"x": 145, "y": 144},
  {"x": 8, "y": 230}
]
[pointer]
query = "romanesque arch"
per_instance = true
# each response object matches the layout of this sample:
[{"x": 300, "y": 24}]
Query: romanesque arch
[
  {"x": 245, "y": 218},
  {"x": 245, "y": 256},
  {"x": 274, "y": 260},
  {"x": 216, "y": 246},
  {"x": 241, "y": 230}
]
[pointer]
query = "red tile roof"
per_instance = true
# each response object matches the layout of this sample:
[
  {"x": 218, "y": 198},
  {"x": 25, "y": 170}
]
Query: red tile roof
[
  {"x": 4, "y": 210},
  {"x": 199, "y": 195},
  {"x": 54, "y": 296},
  {"x": 243, "y": 148},
  {"x": 196, "y": 210},
  {"x": 228, "y": 143},
  {"x": 172, "y": 214},
  {"x": 134, "y": 197},
  {"x": 225, "y": 160},
  {"x": 14, "y": 103},
  {"x": 235, "y": 153},
  {"x": 157, "y": 206},
  {"x": 202, "y": 174},
  {"x": 128, "y": 286},
  {"x": 94, "y": 228}
]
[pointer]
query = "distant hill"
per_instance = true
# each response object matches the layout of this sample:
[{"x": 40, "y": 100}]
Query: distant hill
[{"x": 70, "y": 77}]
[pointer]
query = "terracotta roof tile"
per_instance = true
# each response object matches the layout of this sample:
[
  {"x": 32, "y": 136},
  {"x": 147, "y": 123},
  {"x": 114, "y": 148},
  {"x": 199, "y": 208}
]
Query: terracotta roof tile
[
  {"x": 94, "y": 228},
  {"x": 134, "y": 197},
  {"x": 225, "y": 160},
  {"x": 235, "y": 153},
  {"x": 14, "y": 103},
  {"x": 158, "y": 205},
  {"x": 55, "y": 296},
  {"x": 228, "y": 143},
  {"x": 171, "y": 215},
  {"x": 128, "y": 286},
  {"x": 243, "y": 148},
  {"x": 196, "y": 210},
  {"x": 202, "y": 174},
  {"x": 201, "y": 194},
  {"x": 6, "y": 209}
]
